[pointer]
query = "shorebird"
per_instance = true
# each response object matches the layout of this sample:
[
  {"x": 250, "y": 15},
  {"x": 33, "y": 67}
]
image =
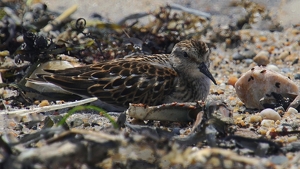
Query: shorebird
[{"x": 182, "y": 76}]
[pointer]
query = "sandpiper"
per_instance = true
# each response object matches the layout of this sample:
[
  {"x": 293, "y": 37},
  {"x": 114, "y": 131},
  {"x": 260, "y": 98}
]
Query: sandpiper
[{"x": 182, "y": 76}]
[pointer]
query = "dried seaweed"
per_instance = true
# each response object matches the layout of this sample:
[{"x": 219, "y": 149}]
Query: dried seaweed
[{"x": 199, "y": 135}]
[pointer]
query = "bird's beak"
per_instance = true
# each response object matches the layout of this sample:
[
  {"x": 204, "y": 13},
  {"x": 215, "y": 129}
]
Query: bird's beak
[{"x": 203, "y": 69}]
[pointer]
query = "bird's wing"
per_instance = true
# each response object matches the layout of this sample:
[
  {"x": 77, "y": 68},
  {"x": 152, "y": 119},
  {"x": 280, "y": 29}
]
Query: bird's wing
[{"x": 118, "y": 82}]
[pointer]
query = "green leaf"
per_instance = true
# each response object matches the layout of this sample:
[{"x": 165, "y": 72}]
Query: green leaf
[{"x": 80, "y": 108}]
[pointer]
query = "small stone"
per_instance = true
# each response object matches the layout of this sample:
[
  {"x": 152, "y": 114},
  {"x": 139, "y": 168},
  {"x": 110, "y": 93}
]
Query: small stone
[
  {"x": 220, "y": 91},
  {"x": 273, "y": 68},
  {"x": 270, "y": 114},
  {"x": 291, "y": 57},
  {"x": 283, "y": 55},
  {"x": 241, "y": 123},
  {"x": 4, "y": 53},
  {"x": 232, "y": 80},
  {"x": 292, "y": 110},
  {"x": 259, "y": 82},
  {"x": 263, "y": 38},
  {"x": 44, "y": 103},
  {"x": 248, "y": 61},
  {"x": 262, "y": 58},
  {"x": 53, "y": 120},
  {"x": 237, "y": 56},
  {"x": 262, "y": 131},
  {"x": 267, "y": 123},
  {"x": 248, "y": 53},
  {"x": 37, "y": 102},
  {"x": 292, "y": 139},
  {"x": 297, "y": 76},
  {"x": 255, "y": 119},
  {"x": 278, "y": 159},
  {"x": 286, "y": 70},
  {"x": 76, "y": 122}
]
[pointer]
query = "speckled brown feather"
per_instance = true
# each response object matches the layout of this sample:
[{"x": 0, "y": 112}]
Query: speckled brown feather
[
  {"x": 180, "y": 76},
  {"x": 123, "y": 81}
]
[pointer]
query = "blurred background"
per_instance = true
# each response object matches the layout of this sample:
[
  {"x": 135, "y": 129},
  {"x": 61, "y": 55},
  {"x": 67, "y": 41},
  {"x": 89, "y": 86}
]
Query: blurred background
[{"x": 287, "y": 11}]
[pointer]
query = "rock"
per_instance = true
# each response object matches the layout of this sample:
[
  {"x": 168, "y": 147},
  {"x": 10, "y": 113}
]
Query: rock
[
  {"x": 292, "y": 110},
  {"x": 270, "y": 114},
  {"x": 267, "y": 123},
  {"x": 278, "y": 159},
  {"x": 283, "y": 55},
  {"x": 291, "y": 58},
  {"x": 297, "y": 76},
  {"x": 255, "y": 119},
  {"x": 248, "y": 53},
  {"x": 44, "y": 103},
  {"x": 237, "y": 56},
  {"x": 76, "y": 122},
  {"x": 286, "y": 70},
  {"x": 259, "y": 83},
  {"x": 4, "y": 53},
  {"x": 232, "y": 80},
  {"x": 262, "y": 58},
  {"x": 291, "y": 139},
  {"x": 248, "y": 61},
  {"x": 245, "y": 54},
  {"x": 263, "y": 38},
  {"x": 273, "y": 68}
]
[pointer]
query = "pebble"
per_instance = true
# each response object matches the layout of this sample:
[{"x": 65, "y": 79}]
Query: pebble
[
  {"x": 44, "y": 103},
  {"x": 232, "y": 80},
  {"x": 262, "y": 131},
  {"x": 291, "y": 57},
  {"x": 297, "y": 76},
  {"x": 248, "y": 53},
  {"x": 270, "y": 114},
  {"x": 273, "y": 68},
  {"x": 76, "y": 122},
  {"x": 255, "y": 119},
  {"x": 36, "y": 102},
  {"x": 263, "y": 38},
  {"x": 283, "y": 55},
  {"x": 292, "y": 139},
  {"x": 262, "y": 58},
  {"x": 237, "y": 56},
  {"x": 4, "y": 53},
  {"x": 248, "y": 61},
  {"x": 286, "y": 70},
  {"x": 267, "y": 123},
  {"x": 259, "y": 83},
  {"x": 292, "y": 110},
  {"x": 245, "y": 54},
  {"x": 278, "y": 159}
]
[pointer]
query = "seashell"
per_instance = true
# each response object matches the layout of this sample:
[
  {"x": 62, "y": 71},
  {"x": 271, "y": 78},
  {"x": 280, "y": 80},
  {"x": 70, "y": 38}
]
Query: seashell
[{"x": 259, "y": 83}]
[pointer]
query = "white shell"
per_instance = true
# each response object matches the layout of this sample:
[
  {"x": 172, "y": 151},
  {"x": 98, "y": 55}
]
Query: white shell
[{"x": 259, "y": 82}]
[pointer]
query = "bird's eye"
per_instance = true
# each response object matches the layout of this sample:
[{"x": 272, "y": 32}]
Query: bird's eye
[{"x": 185, "y": 55}]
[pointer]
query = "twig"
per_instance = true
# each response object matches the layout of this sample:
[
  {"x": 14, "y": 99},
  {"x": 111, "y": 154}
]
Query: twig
[
  {"x": 60, "y": 18},
  {"x": 24, "y": 112}
]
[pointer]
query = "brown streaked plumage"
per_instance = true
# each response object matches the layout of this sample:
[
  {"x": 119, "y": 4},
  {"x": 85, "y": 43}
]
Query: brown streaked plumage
[{"x": 181, "y": 76}]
